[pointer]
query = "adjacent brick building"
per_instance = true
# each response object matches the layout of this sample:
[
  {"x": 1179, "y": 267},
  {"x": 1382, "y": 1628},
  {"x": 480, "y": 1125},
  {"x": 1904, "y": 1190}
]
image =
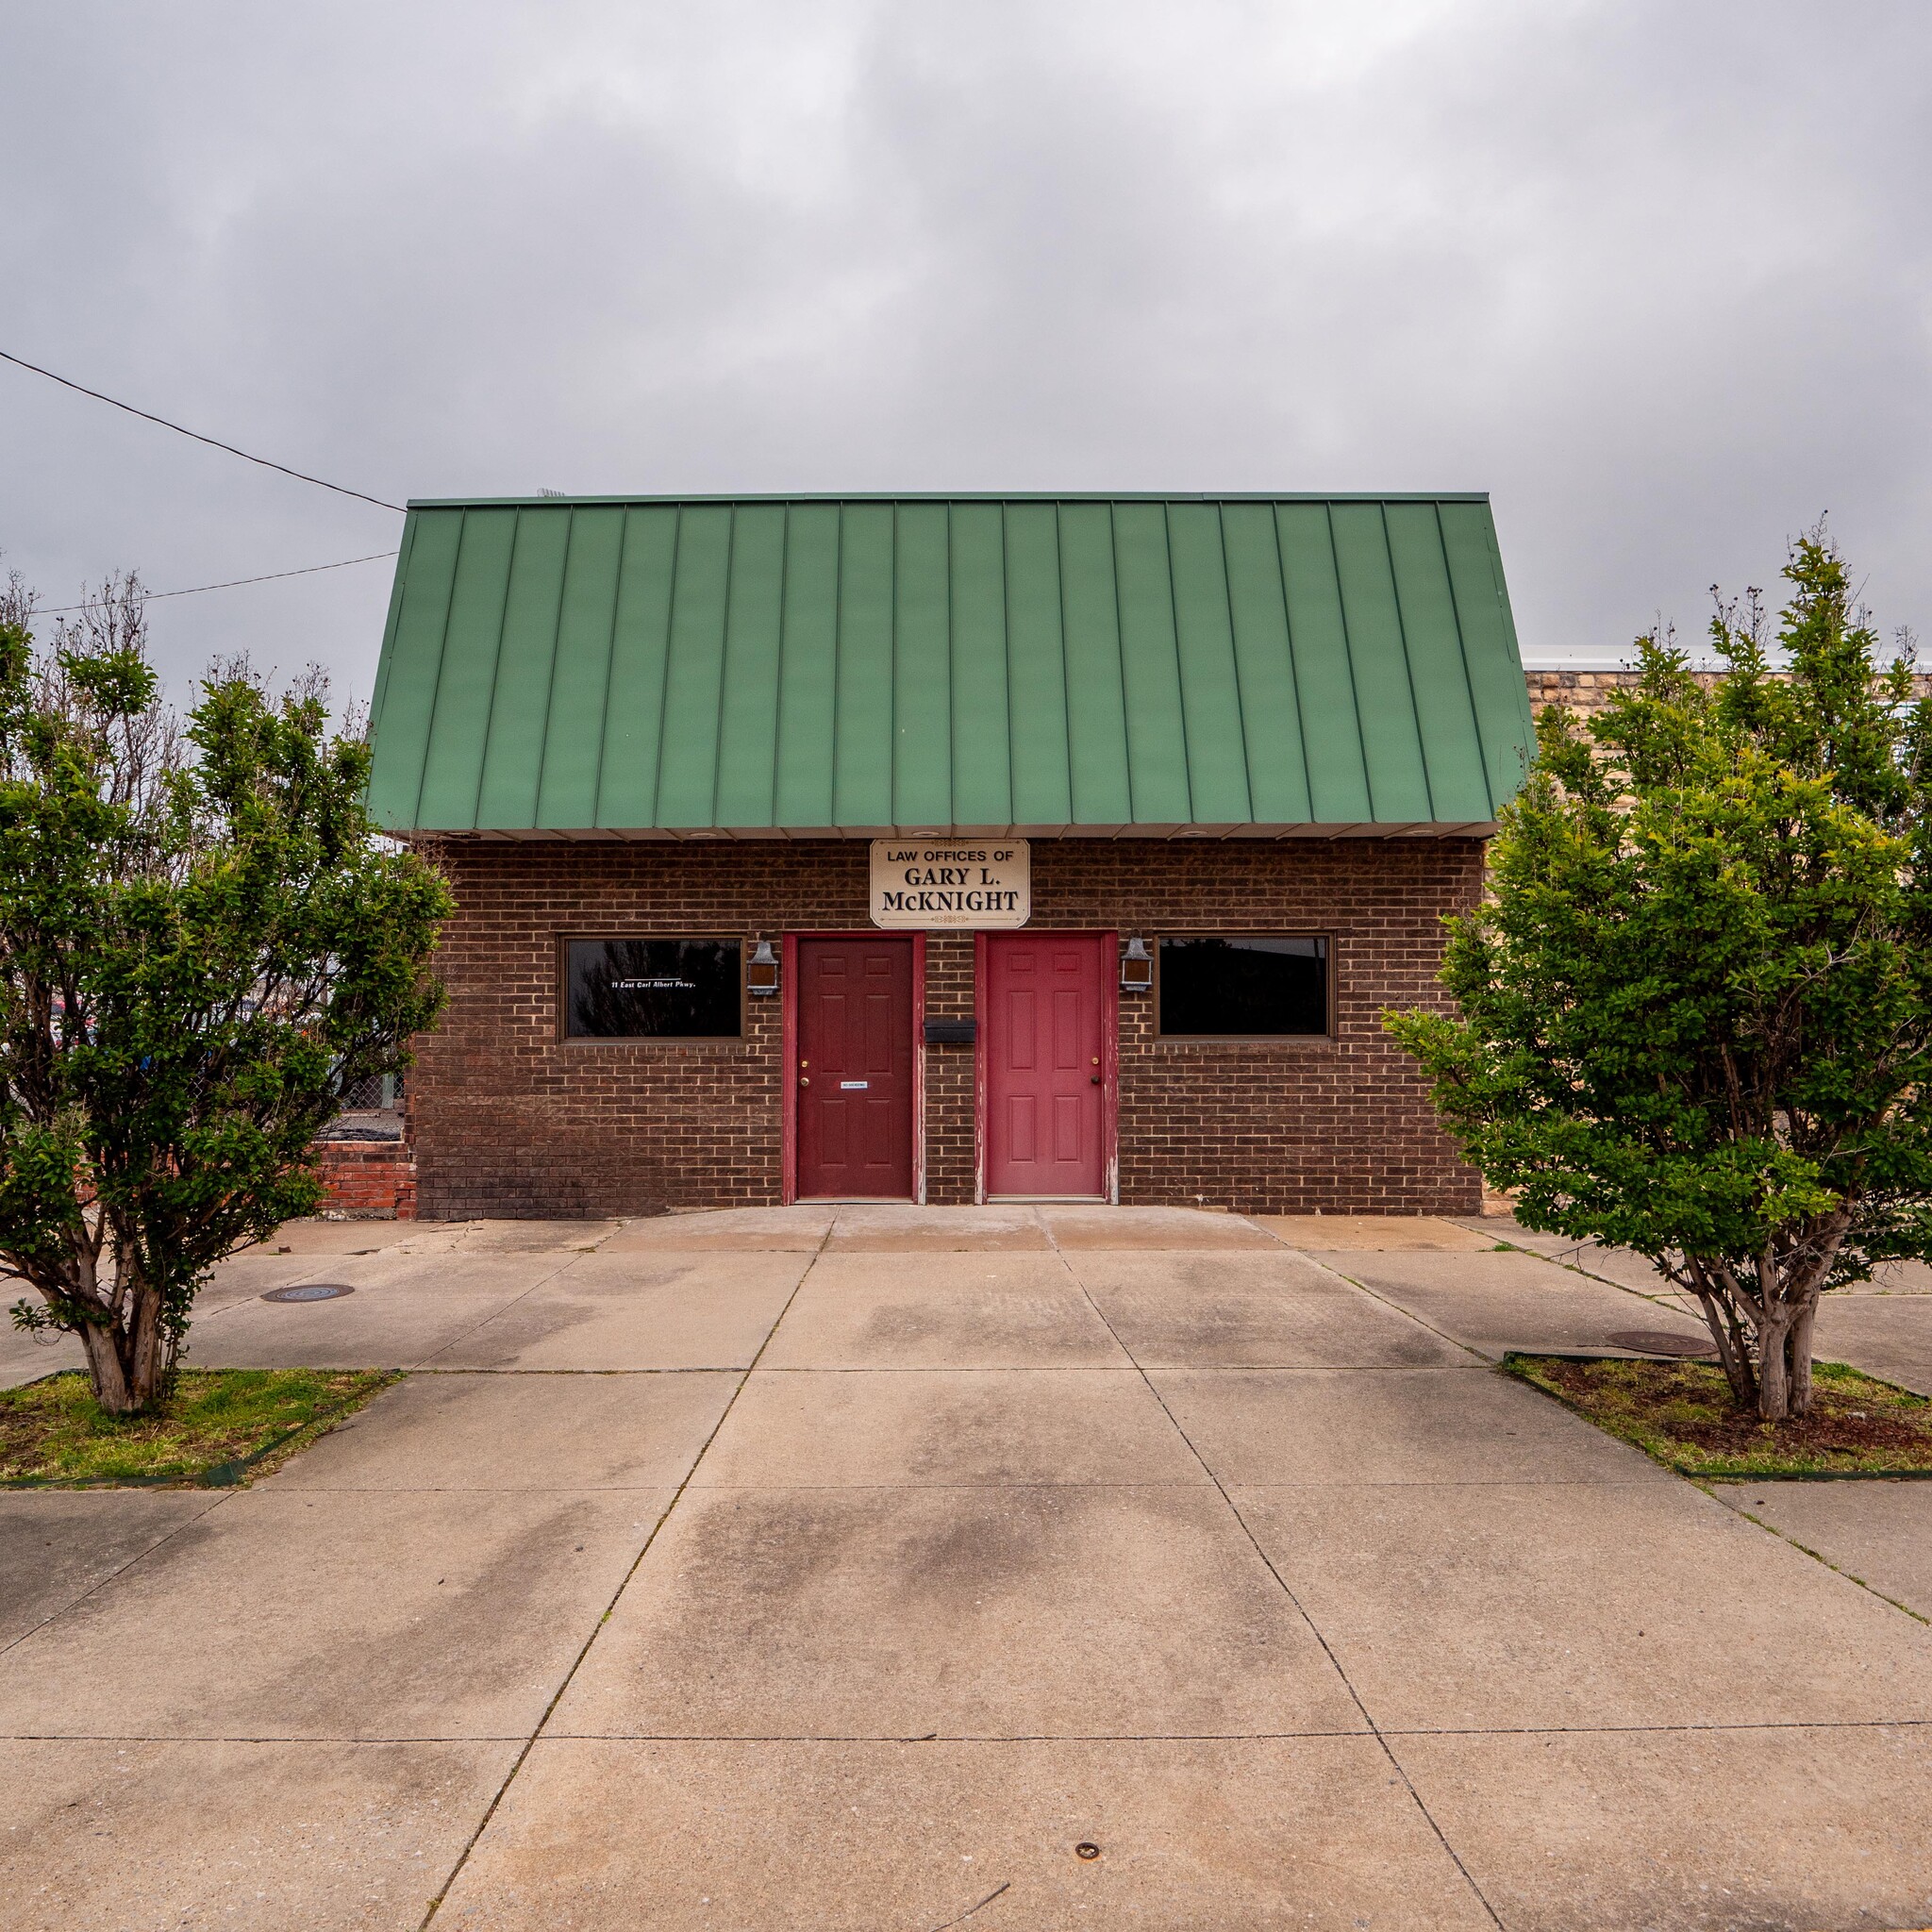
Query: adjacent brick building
[
  {"x": 366, "y": 1180},
  {"x": 942, "y": 849},
  {"x": 1586, "y": 691}
]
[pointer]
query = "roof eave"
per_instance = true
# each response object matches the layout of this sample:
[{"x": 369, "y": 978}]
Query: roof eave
[
  {"x": 701, "y": 834},
  {"x": 542, "y": 501}
]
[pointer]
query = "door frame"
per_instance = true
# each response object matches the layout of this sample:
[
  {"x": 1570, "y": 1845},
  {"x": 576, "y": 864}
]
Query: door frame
[
  {"x": 1109, "y": 1050},
  {"x": 787, "y": 1089}
]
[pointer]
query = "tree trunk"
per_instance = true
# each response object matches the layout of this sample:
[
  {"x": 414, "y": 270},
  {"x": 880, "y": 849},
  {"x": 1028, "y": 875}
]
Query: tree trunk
[
  {"x": 1773, "y": 1369},
  {"x": 1725, "y": 1331},
  {"x": 1798, "y": 1357},
  {"x": 146, "y": 1352},
  {"x": 1768, "y": 1360},
  {"x": 127, "y": 1365},
  {"x": 113, "y": 1389},
  {"x": 1734, "y": 1358}
]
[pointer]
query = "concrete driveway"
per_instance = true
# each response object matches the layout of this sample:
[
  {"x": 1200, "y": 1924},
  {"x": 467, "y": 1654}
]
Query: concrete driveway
[{"x": 888, "y": 1568}]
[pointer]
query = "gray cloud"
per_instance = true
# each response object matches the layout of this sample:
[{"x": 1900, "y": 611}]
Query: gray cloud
[{"x": 1657, "y": 276}]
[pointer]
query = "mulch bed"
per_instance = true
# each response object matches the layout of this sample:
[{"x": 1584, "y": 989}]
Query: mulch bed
[{"x": 1681, "y": 1413}]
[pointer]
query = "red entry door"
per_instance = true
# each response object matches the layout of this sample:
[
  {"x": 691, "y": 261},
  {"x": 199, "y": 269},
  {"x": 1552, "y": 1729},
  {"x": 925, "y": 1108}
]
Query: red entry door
[
  {"x": 1046, "y": 1009},
  {"x": 855, "y": 1070}
]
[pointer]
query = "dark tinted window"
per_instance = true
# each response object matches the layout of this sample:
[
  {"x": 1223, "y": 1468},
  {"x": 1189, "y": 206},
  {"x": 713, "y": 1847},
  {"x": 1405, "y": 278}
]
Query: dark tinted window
[
  {"x": 1248, "y": 988},
  {"x": 653, "y": 989}
]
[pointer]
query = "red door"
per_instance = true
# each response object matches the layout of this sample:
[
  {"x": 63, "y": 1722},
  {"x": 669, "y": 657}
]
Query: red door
[
  {"x": 1046, "y": 1009},
  {"x": 855, "y": 1070}
]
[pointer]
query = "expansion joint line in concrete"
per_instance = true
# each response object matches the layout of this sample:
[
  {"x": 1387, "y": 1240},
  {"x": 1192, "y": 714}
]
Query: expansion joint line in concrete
[
  {"x": 1477, "y": 1363},
  {"x": 985, "y": 1740},
  {"x": 1635, "y": 1294},
  {"x": 584, "y": 1374},
  {"x": 1567, "y": 1261},
  {"x": 1281, "y": 1583},
  {"x": 1488, "y": 1361},
  {"x": 495, "y": 1314},
  {"x": 1001, "y": 1738},
  {"x": 1566, "y": 1258},
  {"x": 120, "y": 1570},
  {"x": 226, "y": 1494},
  {"x": 1806, "y": 1550},
  {"x": 994, "y": 1893},
  {"x": 623, "y": 1583}
]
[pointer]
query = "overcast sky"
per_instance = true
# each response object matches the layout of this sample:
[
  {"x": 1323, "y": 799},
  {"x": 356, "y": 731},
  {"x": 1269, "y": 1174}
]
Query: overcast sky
[{"x": 1656, "y": 276}]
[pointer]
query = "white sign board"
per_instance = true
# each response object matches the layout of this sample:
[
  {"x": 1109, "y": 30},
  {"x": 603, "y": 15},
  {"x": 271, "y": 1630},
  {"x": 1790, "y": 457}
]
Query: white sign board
[{"x": 934, "y": 883}]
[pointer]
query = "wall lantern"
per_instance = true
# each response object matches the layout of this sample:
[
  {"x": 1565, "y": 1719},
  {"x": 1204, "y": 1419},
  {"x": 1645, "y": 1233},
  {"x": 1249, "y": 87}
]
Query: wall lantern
[
  {"x": 762, "y": 972},
  {"x": 1136, "y": 966}
]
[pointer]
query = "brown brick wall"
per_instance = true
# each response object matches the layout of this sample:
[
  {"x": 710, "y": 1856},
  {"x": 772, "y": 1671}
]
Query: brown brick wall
[
  {"x": 949, "y": 1164},
  {"x": 507, "y": 1120}
]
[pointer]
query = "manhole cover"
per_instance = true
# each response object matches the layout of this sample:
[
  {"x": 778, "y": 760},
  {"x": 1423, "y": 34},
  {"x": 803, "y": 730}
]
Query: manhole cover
[
  {"x": 310, "y": 1291},
  {"x": 1661, "y": 1341}
]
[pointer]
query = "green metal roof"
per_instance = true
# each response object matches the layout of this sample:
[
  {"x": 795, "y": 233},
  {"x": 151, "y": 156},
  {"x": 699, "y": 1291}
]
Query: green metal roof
[{"x": 856, "y": 664}]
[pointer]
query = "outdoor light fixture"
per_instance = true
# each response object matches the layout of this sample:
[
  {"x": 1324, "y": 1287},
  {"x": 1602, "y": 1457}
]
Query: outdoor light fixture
[
  {"x": 1136, "y": 966},
  {"x": 761, "y": 973}
]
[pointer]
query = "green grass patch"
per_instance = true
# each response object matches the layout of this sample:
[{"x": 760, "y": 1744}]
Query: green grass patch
[
  {"x": 1681, "y": 1413},
  {"x": 223, "y": 1426}
]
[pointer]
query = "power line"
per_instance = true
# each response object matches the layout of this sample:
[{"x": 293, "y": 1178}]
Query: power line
[
  {"x": 214, "y": 443},
  {"x": 233, "y": 583}
]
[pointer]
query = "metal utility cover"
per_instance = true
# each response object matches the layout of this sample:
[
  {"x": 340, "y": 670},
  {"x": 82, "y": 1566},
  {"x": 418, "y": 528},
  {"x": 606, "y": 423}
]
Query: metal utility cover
[
  {"x": 871, "y": 666},
  {"x": 1672, "y": 1342}
]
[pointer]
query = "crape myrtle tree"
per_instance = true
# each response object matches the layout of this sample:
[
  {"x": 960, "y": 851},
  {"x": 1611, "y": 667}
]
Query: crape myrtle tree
[
  {"x": 202, "y": 939},
  {"x": 1696, "y": 1006}
]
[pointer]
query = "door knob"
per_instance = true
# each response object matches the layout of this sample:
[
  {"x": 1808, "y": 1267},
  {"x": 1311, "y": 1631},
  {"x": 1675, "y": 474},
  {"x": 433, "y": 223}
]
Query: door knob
[
  {"x": 805, "y": 1079},
  {"x": 1094, "y": 1079}
]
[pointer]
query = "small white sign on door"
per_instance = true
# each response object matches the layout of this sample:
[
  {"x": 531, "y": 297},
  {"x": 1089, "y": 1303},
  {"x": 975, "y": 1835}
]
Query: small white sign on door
[{"x": 970, "y": 883}]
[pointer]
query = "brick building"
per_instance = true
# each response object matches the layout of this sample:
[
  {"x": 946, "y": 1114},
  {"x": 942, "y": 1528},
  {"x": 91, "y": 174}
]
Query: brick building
[
  {"x": 1586, "y": 692},
  {"x": 946, "y": 849}
]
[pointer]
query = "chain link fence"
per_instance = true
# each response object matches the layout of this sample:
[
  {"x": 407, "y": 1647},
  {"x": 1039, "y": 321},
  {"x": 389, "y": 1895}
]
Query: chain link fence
[{"x": 382, "y": 1091}]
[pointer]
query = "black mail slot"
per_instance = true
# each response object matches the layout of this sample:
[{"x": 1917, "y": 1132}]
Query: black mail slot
[{"x": 951, "y": 1032}]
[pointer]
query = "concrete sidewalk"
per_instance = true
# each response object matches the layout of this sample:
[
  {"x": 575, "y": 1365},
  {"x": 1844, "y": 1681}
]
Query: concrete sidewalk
[
  {"x": 859, "y": 1568},
  {"x": 1883, "y": 1326}
]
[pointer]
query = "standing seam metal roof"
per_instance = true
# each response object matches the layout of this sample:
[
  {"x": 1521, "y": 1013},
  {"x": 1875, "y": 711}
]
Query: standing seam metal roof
[{"x": 863, "y": 664}]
